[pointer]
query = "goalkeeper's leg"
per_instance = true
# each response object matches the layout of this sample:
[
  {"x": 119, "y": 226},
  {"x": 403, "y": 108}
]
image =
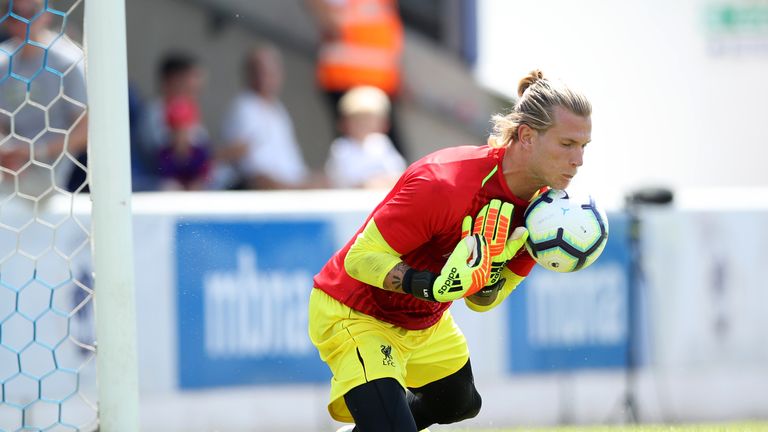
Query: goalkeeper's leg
[
  {"x": 447, "y": 400},
  {"x": 380, "y": 406}
]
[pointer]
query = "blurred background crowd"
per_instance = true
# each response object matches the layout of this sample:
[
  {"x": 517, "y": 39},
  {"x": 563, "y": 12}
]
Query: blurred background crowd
[{"x": 238, "y": 95}]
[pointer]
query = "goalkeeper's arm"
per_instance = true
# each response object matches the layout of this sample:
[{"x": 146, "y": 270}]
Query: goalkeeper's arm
[
  {"x": 490, "y": 297},
  {"x": 371, "y": 260}
]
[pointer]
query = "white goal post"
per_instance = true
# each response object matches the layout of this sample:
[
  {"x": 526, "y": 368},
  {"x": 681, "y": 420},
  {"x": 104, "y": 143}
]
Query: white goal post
[
  {"x": 66, "y": 256},
  {"x": 112, "y": 234}
]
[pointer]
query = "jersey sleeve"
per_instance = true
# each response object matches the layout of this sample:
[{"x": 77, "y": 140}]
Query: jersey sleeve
[
  {"x": 419, "y": 209},
  {"x": 370, "y": 258}
]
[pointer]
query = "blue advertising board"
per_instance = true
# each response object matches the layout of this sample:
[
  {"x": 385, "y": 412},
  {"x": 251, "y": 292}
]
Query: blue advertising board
[
  {"x": 568, "y": 321},
  {"x": 242, "y": 295}
]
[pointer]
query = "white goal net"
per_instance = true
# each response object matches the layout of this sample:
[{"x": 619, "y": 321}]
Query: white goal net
[{"x": 47, "y": 331}]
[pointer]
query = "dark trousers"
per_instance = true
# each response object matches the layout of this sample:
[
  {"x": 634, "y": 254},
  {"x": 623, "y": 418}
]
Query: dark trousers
[{"x": 383, "y": 406}]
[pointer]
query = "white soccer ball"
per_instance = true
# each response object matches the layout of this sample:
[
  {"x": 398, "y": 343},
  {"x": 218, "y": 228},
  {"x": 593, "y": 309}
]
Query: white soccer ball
[{"x": 566, "y": 232}]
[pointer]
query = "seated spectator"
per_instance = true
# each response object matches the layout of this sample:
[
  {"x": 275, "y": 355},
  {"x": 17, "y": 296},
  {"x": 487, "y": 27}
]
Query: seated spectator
[
  {"x": 180, "y": 76},
  {"x": 258, "y": 131},
  {"x": 184, "y": 162},
  {"x": 363, "y": 156}
]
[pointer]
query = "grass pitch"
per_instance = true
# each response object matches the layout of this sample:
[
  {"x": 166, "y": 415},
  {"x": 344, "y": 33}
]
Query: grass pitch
[{"x": 712, "y": 427}]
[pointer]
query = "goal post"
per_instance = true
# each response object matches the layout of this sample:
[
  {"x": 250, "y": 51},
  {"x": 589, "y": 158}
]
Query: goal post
[
  {"x": 65, "y": 256},
  {"x": 112, "y": 233}
]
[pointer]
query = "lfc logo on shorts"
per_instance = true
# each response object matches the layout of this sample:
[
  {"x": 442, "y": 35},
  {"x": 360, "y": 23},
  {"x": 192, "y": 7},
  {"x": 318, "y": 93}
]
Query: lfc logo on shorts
[{"x": 387, "y": 351}]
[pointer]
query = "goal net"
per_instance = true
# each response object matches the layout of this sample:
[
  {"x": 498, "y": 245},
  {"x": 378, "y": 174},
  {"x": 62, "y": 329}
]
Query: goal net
[{"x": 48, "y": 361}]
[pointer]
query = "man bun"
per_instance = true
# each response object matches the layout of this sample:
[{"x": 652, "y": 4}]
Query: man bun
[{"x": 527, "y": 81}]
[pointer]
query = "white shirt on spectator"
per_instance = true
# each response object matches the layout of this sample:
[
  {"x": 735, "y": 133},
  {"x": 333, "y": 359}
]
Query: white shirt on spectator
[
  {"x": 351, "y": 163},
  {"x": 266, "y": 127}
]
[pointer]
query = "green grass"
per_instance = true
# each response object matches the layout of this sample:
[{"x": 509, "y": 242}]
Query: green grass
[{"x": 710, "y": 427}]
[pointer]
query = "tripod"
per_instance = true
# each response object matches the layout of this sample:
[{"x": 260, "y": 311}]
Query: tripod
[{"x": 633, "y": 203}]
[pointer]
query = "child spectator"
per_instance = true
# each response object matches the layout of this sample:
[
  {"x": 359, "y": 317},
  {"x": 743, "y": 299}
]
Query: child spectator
[
  {"x": 363, "y": 156},
  {"x": 184, "y": 162}
]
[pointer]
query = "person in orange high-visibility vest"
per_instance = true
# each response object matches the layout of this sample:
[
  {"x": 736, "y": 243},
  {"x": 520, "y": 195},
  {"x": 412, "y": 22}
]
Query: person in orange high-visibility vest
[{"x": 361, "y": 45}]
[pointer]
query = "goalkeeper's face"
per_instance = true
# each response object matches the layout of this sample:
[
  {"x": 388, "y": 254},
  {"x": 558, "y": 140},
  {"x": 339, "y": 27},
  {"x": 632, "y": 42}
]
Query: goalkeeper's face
[{"x": 558, "y": 152}]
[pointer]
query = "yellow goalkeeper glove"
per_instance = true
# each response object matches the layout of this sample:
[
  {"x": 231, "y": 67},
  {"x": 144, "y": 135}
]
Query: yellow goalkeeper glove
[
  {"x": 465, "y": 272},
  {"x": 493, "y": 222},
  {"x": 493, "y": 295}
]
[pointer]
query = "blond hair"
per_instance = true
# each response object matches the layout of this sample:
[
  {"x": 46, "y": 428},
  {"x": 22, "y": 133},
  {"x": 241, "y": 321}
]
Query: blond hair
[
  {"x": 364, "y": 99},
  {"x": 535, "y": 107}
]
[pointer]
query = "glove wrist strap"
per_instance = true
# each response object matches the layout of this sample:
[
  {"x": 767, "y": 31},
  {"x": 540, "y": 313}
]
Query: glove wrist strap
[
  {"x": 489, "y": 290},
  {"x": 419, "y": 284}
]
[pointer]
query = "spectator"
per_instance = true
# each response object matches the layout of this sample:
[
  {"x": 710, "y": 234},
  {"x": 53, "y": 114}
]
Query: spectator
[
  {"x": 259, "y": 133},
  {"x": 361, "y": 44},
  {"x": 184, "y": 162},
  {"x": 180, "y": 75},
  {"x": 47, "y": 97},
  {"x": 364, "y": 156}
]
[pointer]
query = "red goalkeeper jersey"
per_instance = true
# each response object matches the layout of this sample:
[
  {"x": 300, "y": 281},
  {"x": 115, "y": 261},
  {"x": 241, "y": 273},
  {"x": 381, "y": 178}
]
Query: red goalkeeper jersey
[{"x": 421, "y": 219}]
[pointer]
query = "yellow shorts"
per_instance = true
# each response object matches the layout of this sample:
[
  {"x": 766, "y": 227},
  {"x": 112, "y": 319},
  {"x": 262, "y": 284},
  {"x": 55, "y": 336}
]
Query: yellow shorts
[{"x": 359, "y": 348}]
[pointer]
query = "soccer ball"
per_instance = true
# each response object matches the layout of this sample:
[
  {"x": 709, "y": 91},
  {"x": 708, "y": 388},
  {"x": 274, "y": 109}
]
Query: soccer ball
[{"x": 566, "y": 232}]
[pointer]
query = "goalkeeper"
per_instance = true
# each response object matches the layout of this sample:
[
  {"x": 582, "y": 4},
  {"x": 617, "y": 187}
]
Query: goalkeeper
[{"x": 450, "y": 229}]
